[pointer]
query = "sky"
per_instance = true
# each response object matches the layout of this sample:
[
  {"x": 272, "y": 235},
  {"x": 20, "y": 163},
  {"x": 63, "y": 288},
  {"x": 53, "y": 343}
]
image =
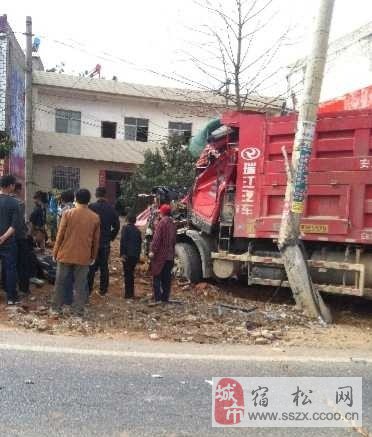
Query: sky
[{"x": 146, "y": 41}]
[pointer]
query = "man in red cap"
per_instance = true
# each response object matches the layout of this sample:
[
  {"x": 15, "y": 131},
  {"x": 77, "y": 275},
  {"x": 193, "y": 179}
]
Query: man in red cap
[{"x": 162, "y": 254}]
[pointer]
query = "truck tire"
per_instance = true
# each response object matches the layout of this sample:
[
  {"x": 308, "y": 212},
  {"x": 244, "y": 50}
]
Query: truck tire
[{"x": 187, "y": 262}]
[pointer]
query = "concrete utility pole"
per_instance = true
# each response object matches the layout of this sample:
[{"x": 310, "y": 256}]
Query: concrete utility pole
[
  {"x": 28, "y": 104},
  {"x": 290, "y": 247}
]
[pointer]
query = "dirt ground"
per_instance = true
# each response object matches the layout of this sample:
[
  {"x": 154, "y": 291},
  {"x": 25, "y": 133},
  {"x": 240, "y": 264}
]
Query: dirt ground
[{"x": 203, "y": 313}]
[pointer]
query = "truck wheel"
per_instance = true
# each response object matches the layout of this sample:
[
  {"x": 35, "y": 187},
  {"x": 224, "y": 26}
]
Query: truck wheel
[{"x": 187, "y": 263}]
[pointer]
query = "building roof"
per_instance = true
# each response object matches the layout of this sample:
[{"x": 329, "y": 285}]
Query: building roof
[
  {"x": 351, "y": 38},
  {"x": 91, "y": 148},
  {"x": 362, "y": 33},
  {"x": 126, "y": 89}
]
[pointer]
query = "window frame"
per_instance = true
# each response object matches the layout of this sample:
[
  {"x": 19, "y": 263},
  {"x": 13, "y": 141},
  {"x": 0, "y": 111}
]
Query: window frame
[
  {"x": 69, "y": 120},
  {"x": 113, "y": 124},
  {"x": 180, "y": 131},
  {"x": 139, "y": 127},
  {"x": 65, "y": 181}
]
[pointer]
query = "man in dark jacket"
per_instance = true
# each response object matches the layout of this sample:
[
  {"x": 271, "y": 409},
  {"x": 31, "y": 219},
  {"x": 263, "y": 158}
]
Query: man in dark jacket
[
  {"x": 162, "y": 251},
  {"x": 110, "y": 227},
  {"x": 25, "y": 256},
  {"x": 9, "y": 221},
  {"x": 130, "y": 250}
]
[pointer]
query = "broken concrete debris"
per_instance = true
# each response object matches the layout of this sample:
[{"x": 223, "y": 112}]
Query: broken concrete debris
[{"x": 201, "y": 313}]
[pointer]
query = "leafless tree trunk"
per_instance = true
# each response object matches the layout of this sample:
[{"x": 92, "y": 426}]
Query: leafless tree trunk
[{"x": 235, "y": 50}]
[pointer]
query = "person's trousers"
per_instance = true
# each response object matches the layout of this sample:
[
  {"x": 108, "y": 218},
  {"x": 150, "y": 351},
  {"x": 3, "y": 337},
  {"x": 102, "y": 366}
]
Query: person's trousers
[
  {"x": 129, "y": 266},
  {"x": 100, "y": 263},
  {"x": 162, "y": 283},
  {"x": 69, "y": 289},
  {"x": 80, "y": 278},
  {"x": 8, "y": 257},
  {"x": 35, "y": 269},
  {"x": 24, "y": 264},
  {"x": 39, "y": 235}
]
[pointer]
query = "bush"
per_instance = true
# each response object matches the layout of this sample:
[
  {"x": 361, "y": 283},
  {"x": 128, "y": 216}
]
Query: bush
[{"x": 172, "y": 165}]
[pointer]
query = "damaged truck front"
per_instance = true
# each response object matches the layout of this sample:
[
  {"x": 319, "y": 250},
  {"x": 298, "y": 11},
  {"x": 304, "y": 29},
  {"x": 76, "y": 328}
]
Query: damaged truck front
[{"x": 236, "y": 202}]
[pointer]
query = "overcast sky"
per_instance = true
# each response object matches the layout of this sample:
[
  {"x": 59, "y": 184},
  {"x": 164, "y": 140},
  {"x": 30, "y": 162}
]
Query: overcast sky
[{"x": 152, "y": 35}]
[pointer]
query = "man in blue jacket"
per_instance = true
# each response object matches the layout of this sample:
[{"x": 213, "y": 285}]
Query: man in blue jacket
[{"x": 130, "y": 250}]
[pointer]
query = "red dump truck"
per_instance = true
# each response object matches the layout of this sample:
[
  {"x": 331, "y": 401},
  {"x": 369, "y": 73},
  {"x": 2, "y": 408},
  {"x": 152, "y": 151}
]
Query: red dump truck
[{"x": 235, "y": 206}]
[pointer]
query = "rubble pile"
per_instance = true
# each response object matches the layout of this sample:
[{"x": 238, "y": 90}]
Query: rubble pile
[{"x": 201, "y": 313}]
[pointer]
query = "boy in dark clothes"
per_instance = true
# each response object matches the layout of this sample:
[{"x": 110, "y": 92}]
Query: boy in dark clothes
[
  {"x": 38, "y": 221},
  {"x": 130, "y": 250}
]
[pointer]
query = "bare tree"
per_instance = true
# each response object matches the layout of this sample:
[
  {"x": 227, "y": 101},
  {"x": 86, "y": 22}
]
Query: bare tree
[{"x": 236, "y": 52}]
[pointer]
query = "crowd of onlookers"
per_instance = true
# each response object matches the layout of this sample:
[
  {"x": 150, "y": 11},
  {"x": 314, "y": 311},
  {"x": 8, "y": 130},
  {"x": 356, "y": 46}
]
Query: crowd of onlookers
[{"x": 83, "y": 235}]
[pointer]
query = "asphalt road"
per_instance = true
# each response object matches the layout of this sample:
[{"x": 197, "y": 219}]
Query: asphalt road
[{"x": 76, "y": 387}]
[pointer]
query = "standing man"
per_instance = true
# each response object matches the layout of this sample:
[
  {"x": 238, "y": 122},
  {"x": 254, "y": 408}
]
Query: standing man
[
  {"x": 25, "y": 257},
  {"x": 110, "y": 227},
  {"x": 130, "y": 250},
  {"x": 75, "y": 249},
  {"x": 9, "y": 220},
  {"x": 162, "y": 254},
  {"x": 67, "y": 202}
]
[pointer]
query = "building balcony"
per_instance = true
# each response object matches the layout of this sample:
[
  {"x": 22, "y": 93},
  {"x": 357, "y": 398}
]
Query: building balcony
[{"x": 90, "y": 148}]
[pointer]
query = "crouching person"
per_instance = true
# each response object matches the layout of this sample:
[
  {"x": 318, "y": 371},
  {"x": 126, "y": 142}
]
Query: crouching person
[
  {"x": 76, "y": 248},
  {"x": 130, "y": 250}
]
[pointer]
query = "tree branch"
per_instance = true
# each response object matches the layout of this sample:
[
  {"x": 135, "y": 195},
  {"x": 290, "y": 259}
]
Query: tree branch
[{"x": 248, "y": 18}]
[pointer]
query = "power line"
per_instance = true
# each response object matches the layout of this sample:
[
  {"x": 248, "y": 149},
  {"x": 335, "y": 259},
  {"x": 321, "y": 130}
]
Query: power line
[{"x": 180, "y": 79}]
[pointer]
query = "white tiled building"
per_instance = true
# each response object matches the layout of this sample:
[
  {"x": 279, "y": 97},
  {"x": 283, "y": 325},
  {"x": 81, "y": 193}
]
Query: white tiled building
[
  {"x": 89, "y": 132},
  {"x": 348, "y": 68}
]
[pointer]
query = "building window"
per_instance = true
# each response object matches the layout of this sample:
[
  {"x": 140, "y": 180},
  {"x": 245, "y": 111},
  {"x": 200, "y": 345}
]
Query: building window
[
  {"x": 180, "y": 130},
  {"x": 68, "y": 122},
  {"x": 65, "y": 178},
  {"x": 136, "y": 129},
  {"x": 108, "y": 129}
]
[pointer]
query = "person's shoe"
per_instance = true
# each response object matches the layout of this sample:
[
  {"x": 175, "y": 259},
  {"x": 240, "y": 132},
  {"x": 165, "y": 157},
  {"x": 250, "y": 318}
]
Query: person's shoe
[
  {"x": 155, "y": 304},
  {"x": 36, "y": 281},
  {"x": 67, "y": 311},
  {"x": 77, "y": 319},
  {"x": 101, "y": 293},
  {"x": 12, "y": 303},
  {"x": 77, "y": 315},
  {"x": 55, "y": 313}
]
